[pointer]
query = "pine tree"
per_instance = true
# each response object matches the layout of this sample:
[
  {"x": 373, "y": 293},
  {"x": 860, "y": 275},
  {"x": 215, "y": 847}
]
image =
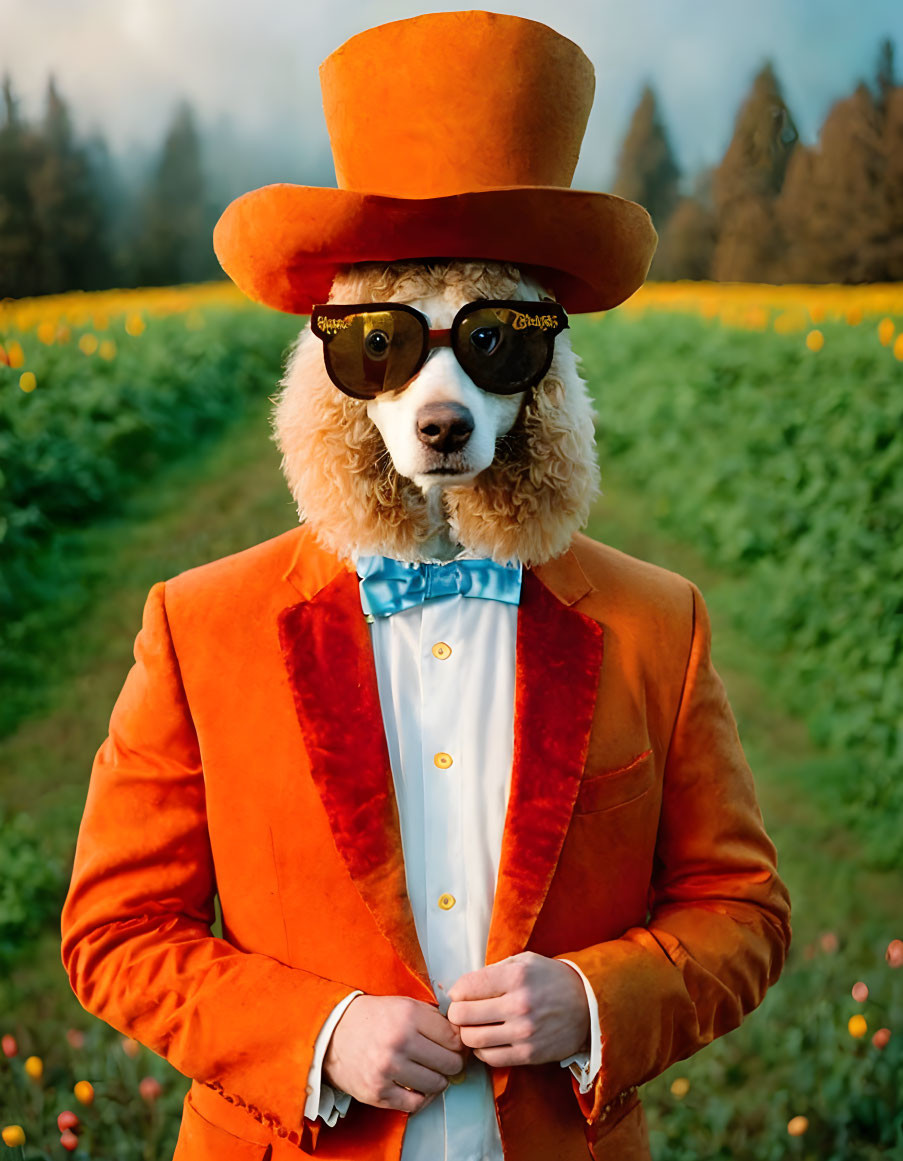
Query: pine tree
[
  {"x": 175, "y": 243},
  {"x": 18, "y": 232},
  {"x": 893, "y": 183},
  {"x": 747, "y": 182},
  {"x": 833, "y": 207},
  {"x": 687, "y": 245},
  {"x": 647, "y": 171},
  {"x": 68, "y": 207}
]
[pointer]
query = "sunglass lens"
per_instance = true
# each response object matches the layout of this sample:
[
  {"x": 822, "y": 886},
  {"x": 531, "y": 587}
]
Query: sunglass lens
[
  {"x": 369, "y": 352},
  {"x": 505, "y": 350}
]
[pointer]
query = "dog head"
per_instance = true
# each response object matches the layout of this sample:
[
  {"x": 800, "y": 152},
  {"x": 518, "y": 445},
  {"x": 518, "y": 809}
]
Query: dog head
[{"x": 510, "y": 476}]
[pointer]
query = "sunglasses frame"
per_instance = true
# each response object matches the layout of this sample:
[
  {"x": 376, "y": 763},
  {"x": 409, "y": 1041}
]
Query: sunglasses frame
[{"x": 433, "y": 339}]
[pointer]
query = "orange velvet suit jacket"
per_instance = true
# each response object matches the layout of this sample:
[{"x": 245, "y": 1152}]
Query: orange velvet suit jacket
[{"x": 246, "y": 758}]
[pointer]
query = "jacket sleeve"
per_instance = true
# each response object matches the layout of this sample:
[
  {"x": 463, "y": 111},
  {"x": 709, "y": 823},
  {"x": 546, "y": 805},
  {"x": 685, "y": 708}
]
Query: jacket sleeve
[
  {"x": 718, "y": 924},
  {"x": 136, "y": 924}
]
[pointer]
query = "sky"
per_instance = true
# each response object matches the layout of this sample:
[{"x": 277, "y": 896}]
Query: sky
[{"x": 249, "y": 67}]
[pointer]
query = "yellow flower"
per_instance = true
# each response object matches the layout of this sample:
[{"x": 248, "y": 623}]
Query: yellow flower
[
  {"x": 34, "y": 1067},
  {"x": 886, "y": 331},
  {"x": 898, "y": 347},
  {"x": 46, "y": 332},
  {"x": 680, "y": 1087},
  {"x": 796, "y": 1126},
  {"x": 87, "y": 344},
  {"x": 27, "y": 381},
  {"x": 13, "y": 1135},
  {"x": 14, "y": 353},
  {"x": 857, "y": 1026},
  {"x": 108, "y": 350},
  {"x": 854, "y": 316},
  {"x": 84, "y": 1092},
  {"x": 134, "y": 325},
  {"x": 815, "y": 340}
]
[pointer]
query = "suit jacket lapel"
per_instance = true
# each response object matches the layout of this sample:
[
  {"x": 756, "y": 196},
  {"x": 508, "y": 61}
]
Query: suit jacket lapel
[
  {"x": 559, "y": 657},
  {"x": 329, "y": 658}
]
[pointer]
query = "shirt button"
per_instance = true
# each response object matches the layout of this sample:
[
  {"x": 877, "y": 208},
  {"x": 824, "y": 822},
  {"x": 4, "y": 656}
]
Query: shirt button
[
  {"x": 446, "y": 902},
  {"x": 441, "y": 651},
  {"x": 442, "y": 760}
]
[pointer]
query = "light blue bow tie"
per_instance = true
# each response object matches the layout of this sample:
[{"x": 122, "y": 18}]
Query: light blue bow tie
[{"x": 388, "y": 586}]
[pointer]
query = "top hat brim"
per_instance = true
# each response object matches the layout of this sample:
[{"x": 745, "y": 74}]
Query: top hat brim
[{"x": 283, "y": 244}]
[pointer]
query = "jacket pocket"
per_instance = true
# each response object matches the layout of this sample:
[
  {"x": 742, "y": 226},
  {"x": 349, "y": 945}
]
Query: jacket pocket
[
  {"x": 202, "y": 1140},
  {"x": 605, "y": 789}
]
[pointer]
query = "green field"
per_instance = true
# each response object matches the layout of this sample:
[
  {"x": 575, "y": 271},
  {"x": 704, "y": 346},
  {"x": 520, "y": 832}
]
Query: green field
[{"x": 771, "y": 480}]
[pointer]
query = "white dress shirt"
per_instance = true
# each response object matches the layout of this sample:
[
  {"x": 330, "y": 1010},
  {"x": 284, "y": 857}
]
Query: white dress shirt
[{"x": 446, "y": 678}]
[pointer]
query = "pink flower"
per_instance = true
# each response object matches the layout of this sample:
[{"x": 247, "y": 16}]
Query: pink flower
[
  {"x": 860, "y": 992},
  {"x": 894, "y": 953},
  {"x": 829, "y": 942},
  {"x": 67, "y": 1120},
  {"x": 69, "y": 1140},
  {"x": 76, "y": 1037},
  {"x": 150, "y": 1089},
  {"x": 9, "y": 1045},
  {"x": 881, "y": 1038}
]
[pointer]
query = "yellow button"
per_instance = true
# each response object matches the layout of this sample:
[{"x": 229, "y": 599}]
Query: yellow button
[
  {"x": 459, "y": 1077},
  {"x": 441, "y": 650},
  {"x": 446, "y": 902},
  {"x": 443, "y": 760}
]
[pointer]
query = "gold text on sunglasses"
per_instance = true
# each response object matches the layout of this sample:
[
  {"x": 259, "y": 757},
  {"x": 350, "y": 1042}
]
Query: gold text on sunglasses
[
  {"x": 331, "y": 325},
  {"x": 545, "y": 322}
]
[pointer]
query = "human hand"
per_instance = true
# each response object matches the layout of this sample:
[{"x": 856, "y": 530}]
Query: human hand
[
  {"x": 392, "y": 1052},
  {"x": 527, "y": 1009}
]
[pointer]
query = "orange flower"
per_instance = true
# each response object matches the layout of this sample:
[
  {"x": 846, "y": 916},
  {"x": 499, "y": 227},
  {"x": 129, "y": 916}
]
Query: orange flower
[
  {"x": 84, "y": 1092},
  {"x": 796, "y": 1126},
  {"x": 886, "y": 331},
  {"x": 130, "y": 1047},
  {"x": 15, "y": 356},
  {"x": 134, "y": 325},
  {"x": 881, "y": 1038},
  {"x": 680, "y": 1086},
  {"x": 815, "y": 340},
  {"x": 34, "y": 1067},
  {"x": 857, "y": 1026},
  {"x": 13, "y": 1135},
  {"x": 860, "y": 992},
  {"x": 898, "y": 347}
]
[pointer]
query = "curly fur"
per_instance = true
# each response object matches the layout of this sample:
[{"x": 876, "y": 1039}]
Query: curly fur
[{"x": 526, "y": 505}]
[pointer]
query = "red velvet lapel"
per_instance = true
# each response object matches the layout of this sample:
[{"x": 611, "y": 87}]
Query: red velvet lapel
[
  {"x": 559, "y": 657},
  {"x": 327, "y": 652}
]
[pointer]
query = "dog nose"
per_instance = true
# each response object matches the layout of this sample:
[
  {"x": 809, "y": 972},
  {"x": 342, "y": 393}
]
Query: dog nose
[{"x": 444, "y": 426}]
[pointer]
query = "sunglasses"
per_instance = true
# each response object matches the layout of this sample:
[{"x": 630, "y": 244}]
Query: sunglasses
[{"x": 505, "y": 347}]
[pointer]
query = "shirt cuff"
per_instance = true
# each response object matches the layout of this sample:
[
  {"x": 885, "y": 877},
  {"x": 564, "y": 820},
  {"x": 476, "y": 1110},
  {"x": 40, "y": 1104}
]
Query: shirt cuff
[
  {"x": 323, "y": 1100},
  {"x": 585, "y": 1065}
]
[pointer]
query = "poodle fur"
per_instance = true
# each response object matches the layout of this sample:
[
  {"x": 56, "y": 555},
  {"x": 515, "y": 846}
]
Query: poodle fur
[{"x": 525, "y": 506}]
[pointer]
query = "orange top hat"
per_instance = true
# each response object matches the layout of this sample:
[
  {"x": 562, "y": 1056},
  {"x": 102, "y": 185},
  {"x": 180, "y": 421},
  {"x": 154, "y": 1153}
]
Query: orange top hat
[{"x": 454, "y": 135}]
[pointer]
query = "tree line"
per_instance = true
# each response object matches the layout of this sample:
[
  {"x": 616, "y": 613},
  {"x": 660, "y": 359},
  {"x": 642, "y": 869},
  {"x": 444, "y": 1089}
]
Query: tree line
[
  {"x": 772, "y": 210},
  {"x": 68, "y": 220}
]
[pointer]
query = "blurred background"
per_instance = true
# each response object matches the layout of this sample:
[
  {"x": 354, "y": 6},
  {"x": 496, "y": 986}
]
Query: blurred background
[{"x": 749, "y": 407}]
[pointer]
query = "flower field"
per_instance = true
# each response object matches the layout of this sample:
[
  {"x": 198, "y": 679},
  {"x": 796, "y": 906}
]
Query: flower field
[
  {"x": 96, "y": 392},
  {"x": 765, "y": 426},
  {"x": 759, "y": 425}
]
